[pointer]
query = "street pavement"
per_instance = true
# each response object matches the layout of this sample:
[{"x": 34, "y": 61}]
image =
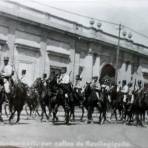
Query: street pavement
[{"x": 32, "y": 133}]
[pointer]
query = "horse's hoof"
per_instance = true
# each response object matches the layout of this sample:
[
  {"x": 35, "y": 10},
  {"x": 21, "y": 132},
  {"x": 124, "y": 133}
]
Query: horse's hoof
[
  {"x": 10, "y": 122},
  {"x": 1, "y": 120},
  {"x": 88, "y": 122},
  {"x": 16, "y": 122}
]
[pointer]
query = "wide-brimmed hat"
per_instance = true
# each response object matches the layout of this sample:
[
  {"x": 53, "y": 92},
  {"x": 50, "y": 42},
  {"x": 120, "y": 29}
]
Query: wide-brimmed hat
[
  {"x": 95, "y": 78},
  {"x": 44, "y": 75},
  {"x": 24, "y": 71},
  {"x": 78, "y": 77},
  {"x": 64, "y": 70}
]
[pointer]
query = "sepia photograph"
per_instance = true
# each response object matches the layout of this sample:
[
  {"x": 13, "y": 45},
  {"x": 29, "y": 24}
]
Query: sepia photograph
[{"x": 73, "y": 74}]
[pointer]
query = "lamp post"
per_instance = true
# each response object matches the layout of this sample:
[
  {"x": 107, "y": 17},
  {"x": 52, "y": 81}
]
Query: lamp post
[
  {"x": 118, "y": 49},
  {"x": 117, "y": 53}
]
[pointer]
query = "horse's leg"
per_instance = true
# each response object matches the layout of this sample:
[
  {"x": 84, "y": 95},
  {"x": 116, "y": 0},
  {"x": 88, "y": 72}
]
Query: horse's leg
[
  {"x": 89, "y": 114},
  {"x": 37, "y": 110},
  {"x": 72, "y": 112},
  {"x": 42, "y": 114},
  {"x": 55, "y": 109},
  {"x": 82, "y": 113},
  {"x": 104, "y": 117},
  {"x": 1, "y": 119},
  {"x": 100, "y": 117},
  {"x": 66, "y": 108},
  {"x": 116, "y": 115},
  {"x": 11, "y": 116},
  {"x": 47, "y": 117},
  {"x": 49, "y": 109},
  {"x": 18, "y": 116},
  {"x": 141, "y": 118},
  {"x": 143, "y": 115},
  {"x": 112, "y": 113},
  {"x": 67, "y": 114}
]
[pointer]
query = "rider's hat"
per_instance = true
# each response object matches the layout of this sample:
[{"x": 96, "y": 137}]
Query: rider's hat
[
  {"x": 78, "y": 77},
  {"x": 95, "y": 78},
  {"x": 24, "y": 71},
  {"x": 44, "y": 75},
  {"x": 139, "y": 81},
  {"x": 64, "y": 69},
  {"x": 6, "y": 58},
  {"x": 124, "y": 81}
]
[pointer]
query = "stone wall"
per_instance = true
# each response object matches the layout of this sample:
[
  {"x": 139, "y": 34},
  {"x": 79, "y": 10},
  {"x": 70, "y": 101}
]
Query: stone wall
[{"x": 37, "y": 49}]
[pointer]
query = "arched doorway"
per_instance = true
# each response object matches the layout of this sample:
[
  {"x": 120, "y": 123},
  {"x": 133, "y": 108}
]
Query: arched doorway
[{"x": 108, "y": 72}]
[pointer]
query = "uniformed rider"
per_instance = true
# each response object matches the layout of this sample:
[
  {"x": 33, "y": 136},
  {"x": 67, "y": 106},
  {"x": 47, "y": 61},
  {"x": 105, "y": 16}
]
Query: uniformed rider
[
  {"x": 78, "y": 85},
  {"x": 6, "y": 73},
  {"x": 125, "y": 90},
  {"x": 95, "y": 85}
]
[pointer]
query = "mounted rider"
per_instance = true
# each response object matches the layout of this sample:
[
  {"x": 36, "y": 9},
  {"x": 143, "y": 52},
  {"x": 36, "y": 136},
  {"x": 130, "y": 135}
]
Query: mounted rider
[
  {"x": 95, "y": 85},
  {"x": 44, "y": 79},
  {"x": 64, "y": 82},
  {"x": 6, "y": 73},
  {"x": 119, "y": 87},
  {"x": 130, "y": 93},
  {"x": 78, "y": 85},
  {"x": 140, "y": 90},
  {"x": 23, "y": 77},
  {"x": 125, "y": 91}
]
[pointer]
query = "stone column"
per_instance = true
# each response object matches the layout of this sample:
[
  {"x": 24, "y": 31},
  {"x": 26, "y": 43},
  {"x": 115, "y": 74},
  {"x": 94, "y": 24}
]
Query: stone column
[
  {"x": 11, "y": 41},
  {"x": 72, "y": 61},
  {"x": 96, "y": 66},
  {"x": 77, "y": 65},
  {"x": 44, "y": 65},
  {"x": 88, "y": 66}
]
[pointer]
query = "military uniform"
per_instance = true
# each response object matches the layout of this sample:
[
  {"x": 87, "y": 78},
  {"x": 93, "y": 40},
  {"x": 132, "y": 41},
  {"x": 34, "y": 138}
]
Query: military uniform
[
  {"x": 125, "y": 92},
  {"x": 95, "y": 85},
  {"x": 6, "y": 73},
  {"x": 23, "y": 77},
  {"x": 78, "y": 85},
  {"x": 131, "y": 95}
]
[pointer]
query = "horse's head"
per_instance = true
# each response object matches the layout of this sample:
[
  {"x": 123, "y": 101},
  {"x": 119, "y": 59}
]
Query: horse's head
[
  {"x": 37, "y": 83},
  {"x": 87, "y": 89}
]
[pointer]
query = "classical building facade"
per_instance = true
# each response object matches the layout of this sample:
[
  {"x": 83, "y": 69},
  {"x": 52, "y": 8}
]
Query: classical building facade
[{"x": 41, "y": 43}]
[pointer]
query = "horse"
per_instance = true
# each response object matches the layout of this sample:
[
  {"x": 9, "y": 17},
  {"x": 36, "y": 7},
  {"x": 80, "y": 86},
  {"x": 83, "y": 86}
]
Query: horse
[
  {"x": 2, "y": 97},
  {"x": 32, "y": 101},
  {"x": 137, "y": 109},
  {"x": 44, "y": 97},
  {"x": 61, "y": 96},
  {"x": 116, "y": 103},
  {"x": 78, "y": 100},
  {"x": 17, "y": 100},
  {"x": 92, "y": 101}
]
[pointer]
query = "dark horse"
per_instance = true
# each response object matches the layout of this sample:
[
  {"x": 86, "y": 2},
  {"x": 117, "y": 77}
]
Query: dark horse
[
  {"x": 78, "y": 100},
  {"x": 2, "y": 97},
  {"x": 116, "y": 102},
  {"x": 61, "y": 96},
  {"x": 17, "y": 100},
  {"x": 137, "y": 109},
  {"x": 92, "y": 101},
  {"x": 32, "y": 101},
  {"x": 44, "y": 97}
]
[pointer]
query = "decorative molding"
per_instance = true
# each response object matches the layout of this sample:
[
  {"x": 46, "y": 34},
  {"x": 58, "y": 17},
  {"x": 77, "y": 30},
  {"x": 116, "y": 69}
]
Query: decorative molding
[{"x": 20, "y": 43}]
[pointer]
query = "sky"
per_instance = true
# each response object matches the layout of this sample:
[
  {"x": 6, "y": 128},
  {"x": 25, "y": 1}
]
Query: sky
[{"x": 131, "y": 13}]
